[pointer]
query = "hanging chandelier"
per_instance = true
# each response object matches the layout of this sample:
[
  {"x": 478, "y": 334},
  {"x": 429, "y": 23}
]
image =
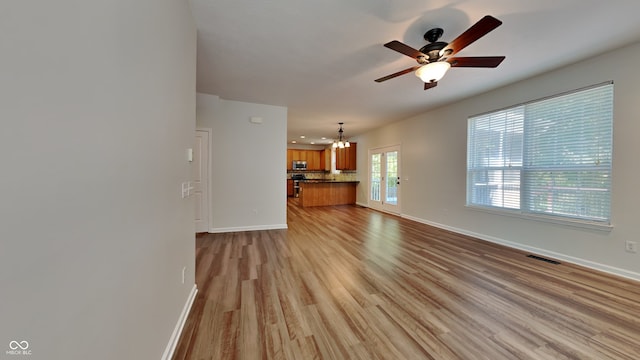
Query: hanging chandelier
[{"x": 341, "y": 142}]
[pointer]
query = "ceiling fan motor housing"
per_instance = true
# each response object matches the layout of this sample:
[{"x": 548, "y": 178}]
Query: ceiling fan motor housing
[{"x": 432, "y": 50}]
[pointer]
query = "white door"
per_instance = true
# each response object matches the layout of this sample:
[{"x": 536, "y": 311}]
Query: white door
[
  {"x": 201, "y": 180},
  {"x": 384, "y": 179}
]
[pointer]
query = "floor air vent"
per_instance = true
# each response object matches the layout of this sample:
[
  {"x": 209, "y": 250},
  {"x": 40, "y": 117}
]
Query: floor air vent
[{"x": 544, "y": 259}]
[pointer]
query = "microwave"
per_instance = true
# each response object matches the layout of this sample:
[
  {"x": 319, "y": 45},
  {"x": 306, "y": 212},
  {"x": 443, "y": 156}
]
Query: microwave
[{"x": 299, "y": 165}]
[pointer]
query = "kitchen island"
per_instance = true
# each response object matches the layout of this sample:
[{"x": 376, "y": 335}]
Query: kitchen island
[{"x": 327, "y": 192}]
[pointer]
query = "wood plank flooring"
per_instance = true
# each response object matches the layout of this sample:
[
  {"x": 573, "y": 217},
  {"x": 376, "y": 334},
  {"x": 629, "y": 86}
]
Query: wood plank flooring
[{"x": 346, "y": 282}]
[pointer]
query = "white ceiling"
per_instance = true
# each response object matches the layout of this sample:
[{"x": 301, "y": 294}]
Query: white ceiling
[{"x": 319, "y": 58}]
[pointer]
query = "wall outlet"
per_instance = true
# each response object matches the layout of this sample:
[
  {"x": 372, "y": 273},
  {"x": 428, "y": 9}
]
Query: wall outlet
[
  {"x": 184, "y": 270},
  {"x": 631, "y": 246}
]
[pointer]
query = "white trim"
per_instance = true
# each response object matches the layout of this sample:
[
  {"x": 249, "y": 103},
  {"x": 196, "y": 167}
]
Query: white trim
[
  {"x": 574, "y": 260},
  {"x": 209, "y": 132},
  {"x": 248, "y": 228},
  {"x": 177, "y": 331}
]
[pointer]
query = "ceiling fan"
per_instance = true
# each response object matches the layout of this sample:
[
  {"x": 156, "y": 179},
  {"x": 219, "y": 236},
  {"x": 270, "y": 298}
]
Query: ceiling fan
[{"x": 435, "y": 58}]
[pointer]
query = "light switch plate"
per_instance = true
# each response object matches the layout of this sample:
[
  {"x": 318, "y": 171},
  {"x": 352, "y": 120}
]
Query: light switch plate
[{"x": 185, "y": 189}]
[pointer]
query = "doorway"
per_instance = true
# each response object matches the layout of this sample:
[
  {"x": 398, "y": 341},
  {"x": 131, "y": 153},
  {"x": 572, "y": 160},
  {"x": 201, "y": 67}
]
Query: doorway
[{"x": 384, "y": 179}]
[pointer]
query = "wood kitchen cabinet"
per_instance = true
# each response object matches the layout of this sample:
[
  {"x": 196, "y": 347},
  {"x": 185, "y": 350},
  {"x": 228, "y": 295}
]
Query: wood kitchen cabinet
[
  {"x": 320, "y": 160},
  {"x": 297, "y": 154},
  {"x": 346, "y": 157},
  {"x": 313, "y": 160},
  {"x": 289, "y": 159},
  {"x": 312, "y": 157},
  {"x": 323, "y": 193},
  {"x": 289, "y": 188},
  {"x": 323, "y": 159}
]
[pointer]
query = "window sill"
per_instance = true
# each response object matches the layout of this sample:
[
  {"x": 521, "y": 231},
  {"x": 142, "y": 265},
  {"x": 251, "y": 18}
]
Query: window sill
[{"x": 583, "y": 224}]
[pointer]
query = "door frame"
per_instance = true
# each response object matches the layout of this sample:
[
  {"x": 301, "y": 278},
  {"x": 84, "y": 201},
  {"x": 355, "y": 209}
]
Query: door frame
[
  {"x": 382, "y": 206},
  {"x": 207, "y": 182}
]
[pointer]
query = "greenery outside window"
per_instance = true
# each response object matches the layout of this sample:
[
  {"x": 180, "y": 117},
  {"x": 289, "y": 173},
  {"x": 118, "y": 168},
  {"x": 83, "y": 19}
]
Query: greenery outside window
[{"x": 550, "y": 157}]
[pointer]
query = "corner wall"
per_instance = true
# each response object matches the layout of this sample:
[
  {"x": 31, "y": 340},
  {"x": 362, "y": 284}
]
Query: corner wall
[
  {"x": 434, "y": 167},
  {"x": 98, "y": 109},
  {"x": 248, "y": 164}
]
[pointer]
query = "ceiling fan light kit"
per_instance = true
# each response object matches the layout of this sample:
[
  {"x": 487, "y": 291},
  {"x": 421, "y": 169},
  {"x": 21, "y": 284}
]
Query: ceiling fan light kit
[
  {"x": 435, "y": 58},
  {"x": 433, "y": 72}
]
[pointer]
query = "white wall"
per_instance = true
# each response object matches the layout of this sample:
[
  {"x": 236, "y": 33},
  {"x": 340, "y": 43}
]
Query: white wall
[
  {"x": 434, "y": 167},
  {"x": 248, "y": 164},
  {"x": 97, "y": 108}
]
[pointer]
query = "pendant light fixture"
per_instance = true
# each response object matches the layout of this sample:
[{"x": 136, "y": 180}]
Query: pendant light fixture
[{"x": 341, "y": 142}]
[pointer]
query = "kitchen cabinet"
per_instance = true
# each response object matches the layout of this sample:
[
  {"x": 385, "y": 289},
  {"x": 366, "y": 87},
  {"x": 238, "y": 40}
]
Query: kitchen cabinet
[
  {"x": 324, "y": 193},
  {"x": 289, "y": 159},
  {"x": 313, "y": 160},
  {"x": 325, "y": 162},
  {"x": 295, "y": 154},
  {"x": 346, "y": 157},
  {"x": 299, "y": 154},
  {"x": 289, "y": 187},
  {"x": 312, "y": 157}
]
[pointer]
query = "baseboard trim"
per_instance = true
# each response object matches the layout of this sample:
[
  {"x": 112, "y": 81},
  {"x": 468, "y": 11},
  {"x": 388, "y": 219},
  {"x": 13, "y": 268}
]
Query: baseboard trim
[
  {"x": 574, "y": 260},
  {"x": 177, "y": 331},
  {"x": 248, "y": 228}
]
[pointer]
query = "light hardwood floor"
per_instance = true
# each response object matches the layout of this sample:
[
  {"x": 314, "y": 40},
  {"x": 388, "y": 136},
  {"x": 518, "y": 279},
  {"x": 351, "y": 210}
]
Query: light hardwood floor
[{"x": 347, "y": 282}]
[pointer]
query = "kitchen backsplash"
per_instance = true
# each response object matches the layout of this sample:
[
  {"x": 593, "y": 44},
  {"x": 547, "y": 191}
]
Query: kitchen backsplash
[{"x": 323, "y": 175}]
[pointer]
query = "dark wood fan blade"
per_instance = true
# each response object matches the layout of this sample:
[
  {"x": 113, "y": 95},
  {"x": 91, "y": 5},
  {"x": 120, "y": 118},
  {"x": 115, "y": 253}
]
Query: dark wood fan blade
[
  {"x": 475, "y": 32},
  {"x": 476, "y": 61},
  {"x": 404, "y": 49},
  {"x": 430, "y": 85},
  {"x": 402, "y": 72}
]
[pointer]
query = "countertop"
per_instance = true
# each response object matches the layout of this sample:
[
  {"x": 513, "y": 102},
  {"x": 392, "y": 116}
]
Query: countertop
[{"x": 314, "y": 181}]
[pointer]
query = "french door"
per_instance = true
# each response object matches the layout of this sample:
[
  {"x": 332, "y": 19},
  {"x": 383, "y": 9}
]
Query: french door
[{"x": 384, "y": 179}]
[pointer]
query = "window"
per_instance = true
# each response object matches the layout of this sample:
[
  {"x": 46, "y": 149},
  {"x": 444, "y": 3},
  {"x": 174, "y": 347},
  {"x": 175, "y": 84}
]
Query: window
[{"x": 550, "y": 157}]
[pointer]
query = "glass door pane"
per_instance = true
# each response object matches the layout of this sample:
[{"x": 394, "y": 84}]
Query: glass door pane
[
  {"x": 375, "y": 176},
  {"x": 391, "y": 189}
]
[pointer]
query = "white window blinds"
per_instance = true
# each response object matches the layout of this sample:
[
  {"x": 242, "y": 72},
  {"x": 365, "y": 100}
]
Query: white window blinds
[
  {"x": 494, "y": 158},
  {"x": 548, "y": 157}
]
